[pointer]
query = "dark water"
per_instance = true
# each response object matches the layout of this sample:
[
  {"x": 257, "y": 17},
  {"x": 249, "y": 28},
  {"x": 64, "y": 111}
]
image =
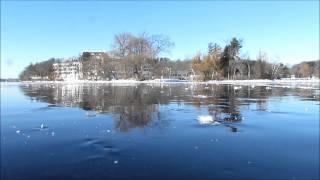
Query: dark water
[{"x": 159, "y": 132}]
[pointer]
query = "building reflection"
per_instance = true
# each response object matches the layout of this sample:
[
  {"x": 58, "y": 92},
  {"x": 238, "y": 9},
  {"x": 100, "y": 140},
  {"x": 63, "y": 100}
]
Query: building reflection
[{"x": 132, "y": 106}]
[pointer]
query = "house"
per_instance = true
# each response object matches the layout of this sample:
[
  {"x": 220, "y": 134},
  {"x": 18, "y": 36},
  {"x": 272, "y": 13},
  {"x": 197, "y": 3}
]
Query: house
[
  {"x": 68, "y": 70},
  {"x": 147, "y": 71},
  {"x": 35, "y": 78},
  {"x": 182, "y": 70},
  {"x": 97, "y": 55}
]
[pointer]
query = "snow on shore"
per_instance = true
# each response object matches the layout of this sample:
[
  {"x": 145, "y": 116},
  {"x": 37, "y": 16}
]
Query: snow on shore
[
  {"x": 300, "y": 83},
  {"x": 266, "y": 81}
]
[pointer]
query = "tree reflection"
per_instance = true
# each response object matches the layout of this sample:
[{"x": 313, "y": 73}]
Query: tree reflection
[
  {"x": 133, "y": 106},
  {"x": 137, "y": 116}
]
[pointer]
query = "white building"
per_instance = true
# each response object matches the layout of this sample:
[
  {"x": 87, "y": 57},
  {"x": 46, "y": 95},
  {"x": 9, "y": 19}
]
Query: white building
[{"x": 68, "y": 70}]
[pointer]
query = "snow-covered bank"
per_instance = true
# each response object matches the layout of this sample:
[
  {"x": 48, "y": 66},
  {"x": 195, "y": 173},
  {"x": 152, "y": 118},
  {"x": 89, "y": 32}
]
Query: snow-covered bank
[
  {"x": 313, "y": 83},
  {"x": 288, "y": 83},
  {"x": 267, "y": 81},
  {"x": 120, "y": 81}
]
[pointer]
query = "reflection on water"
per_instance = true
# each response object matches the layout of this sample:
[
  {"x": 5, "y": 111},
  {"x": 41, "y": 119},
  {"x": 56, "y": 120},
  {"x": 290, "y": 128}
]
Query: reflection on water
[
  {"x": 139, "y": 105},
  {"x": 164, "y": 131}
]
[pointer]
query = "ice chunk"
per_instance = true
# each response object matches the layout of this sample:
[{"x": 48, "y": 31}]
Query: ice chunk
[
  {"x": 205, "y": 119},
  {"x": 200, "y": 96},
  {"x": 91, "y": 114}
]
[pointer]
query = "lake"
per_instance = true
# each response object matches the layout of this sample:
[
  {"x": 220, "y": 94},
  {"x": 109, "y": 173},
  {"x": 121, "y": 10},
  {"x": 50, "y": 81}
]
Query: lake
[{"x": 159, "y": 131}]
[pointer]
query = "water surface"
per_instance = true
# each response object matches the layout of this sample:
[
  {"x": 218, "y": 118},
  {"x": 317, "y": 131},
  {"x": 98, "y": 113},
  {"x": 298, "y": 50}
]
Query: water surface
[{"x": 169, "y": 131}]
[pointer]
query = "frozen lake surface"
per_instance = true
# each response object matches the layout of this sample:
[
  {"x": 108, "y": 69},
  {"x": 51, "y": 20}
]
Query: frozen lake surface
[{"x": 159, "y": 131}]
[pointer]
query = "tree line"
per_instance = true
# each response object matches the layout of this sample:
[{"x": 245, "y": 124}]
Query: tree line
[
  {"x": 225, "y": 63},
  {"x": 44, "y": 70},
  {"x": 139, "y": 57},
  {"x": 132, "y": 56}
]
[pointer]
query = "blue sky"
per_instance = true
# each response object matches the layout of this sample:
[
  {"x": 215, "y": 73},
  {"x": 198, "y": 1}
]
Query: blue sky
[{"x": 33, "y": 31}]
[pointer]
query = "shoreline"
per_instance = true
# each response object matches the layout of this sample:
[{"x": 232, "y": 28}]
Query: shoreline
[
  {"x": 174, "y": 81},
  {"x": 237, "y": 84}
]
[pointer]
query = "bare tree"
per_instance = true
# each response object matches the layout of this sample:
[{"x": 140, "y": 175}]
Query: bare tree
[
  {"x": 261, "y": 65},
  {"x": 160, "y": 43},
  {"x": 137, "y": 51},
  {"x": 121, "y": 44},
  {"x": 275, "y": 70}
]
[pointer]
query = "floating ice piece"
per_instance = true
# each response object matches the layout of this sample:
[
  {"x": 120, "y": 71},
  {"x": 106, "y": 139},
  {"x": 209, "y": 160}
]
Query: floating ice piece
[
  {"x": 207, "y": 120},
  {"x": 237, "y": 87},
  {"x": 215, "y": 123},
  {"x": 41, "y": 126},
  {"x": 268, "y": 87},
  {"x": 115, "y": 162},
  {"x": 91, "y": 114},
  {"x": 200, "y": 96},
  {"x": 18, "y": 131},
  {"x": 53, "y": 133}
]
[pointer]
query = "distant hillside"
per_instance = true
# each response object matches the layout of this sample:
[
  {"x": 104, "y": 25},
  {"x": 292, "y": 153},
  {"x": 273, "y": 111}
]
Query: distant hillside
[{"x": 306, "y": 69}]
